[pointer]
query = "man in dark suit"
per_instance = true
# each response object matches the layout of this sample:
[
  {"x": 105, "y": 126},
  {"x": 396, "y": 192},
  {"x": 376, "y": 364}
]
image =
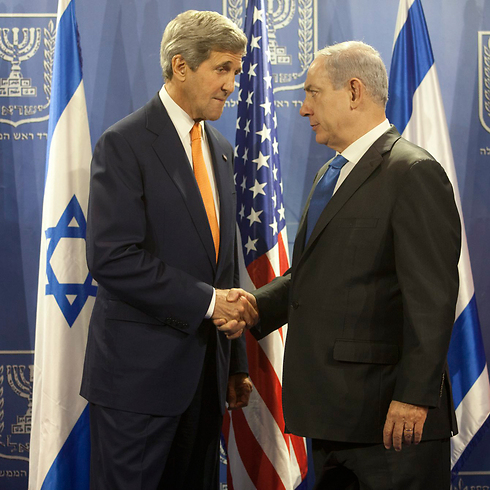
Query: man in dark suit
[
  {"x": 371, "y": 294},
  {"x": 161, "y": 244}
]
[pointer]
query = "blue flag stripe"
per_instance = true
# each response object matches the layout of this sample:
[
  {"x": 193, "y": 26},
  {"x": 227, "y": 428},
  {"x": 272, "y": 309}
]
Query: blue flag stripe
[
  {"x": 67, "y": 70},
  {"x": 466, "y": 356},
  {"x": 412, "y": 59},
  {"x": 69, "y": 469}
]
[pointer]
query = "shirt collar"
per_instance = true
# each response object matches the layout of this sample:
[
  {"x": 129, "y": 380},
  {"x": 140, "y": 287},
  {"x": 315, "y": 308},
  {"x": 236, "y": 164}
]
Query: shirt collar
[
  {"x": 354, "y": 152},
  {"x": 181, "y": 120}
]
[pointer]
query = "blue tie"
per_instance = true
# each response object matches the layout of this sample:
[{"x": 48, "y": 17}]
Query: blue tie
[{"x": 323, "y": 192}]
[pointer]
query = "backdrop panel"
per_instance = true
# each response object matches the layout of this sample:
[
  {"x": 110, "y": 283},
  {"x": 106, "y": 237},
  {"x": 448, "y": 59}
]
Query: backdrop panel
[{"x": 120, "y": 45}]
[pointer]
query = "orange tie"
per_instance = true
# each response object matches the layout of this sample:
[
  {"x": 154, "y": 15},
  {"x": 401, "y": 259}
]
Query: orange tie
[{"x": 204, "y": 184}]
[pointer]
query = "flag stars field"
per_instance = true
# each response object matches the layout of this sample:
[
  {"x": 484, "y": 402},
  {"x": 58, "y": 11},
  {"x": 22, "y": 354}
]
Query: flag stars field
[
  {"x": 254, "y": 43},
  {"x": 250, "y": 245},
  {"x": 258, "y": 188},
  {"x": 242, "y": 212},
  {"x": 257, "y": 15},
  {"x": 281, "y": 211},
  {"x": 257, "y": 143},
  {"x": 253, "y": 217},
  {"x": 249, "y": 99},
  {"x": 264, "y": 133},
  {"x": 268, "y": 79},
  {"x": 267, "y": 107},
  {"x": 247, "y": 124},
  {"x": 273, "y": 225},
  {"x": 261, "y": 160},
  {"x": 245, "y": 156},
  {"x": 251, "y": 71}
]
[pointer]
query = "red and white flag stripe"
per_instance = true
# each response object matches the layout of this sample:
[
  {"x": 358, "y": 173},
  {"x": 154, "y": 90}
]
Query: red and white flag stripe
[{"x": 260, "y": 454}]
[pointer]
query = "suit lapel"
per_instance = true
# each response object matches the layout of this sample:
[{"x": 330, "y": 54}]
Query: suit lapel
[
  {"x": 299, "y": 242},
  {"x": 172, "y": 156},
  {"x": 360, "y": 173}
]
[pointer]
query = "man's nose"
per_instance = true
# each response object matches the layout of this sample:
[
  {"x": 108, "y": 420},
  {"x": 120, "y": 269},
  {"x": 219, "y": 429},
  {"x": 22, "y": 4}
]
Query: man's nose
[
  {"x": 229, "y": 85},
  {"x": 304, "y": 109}
]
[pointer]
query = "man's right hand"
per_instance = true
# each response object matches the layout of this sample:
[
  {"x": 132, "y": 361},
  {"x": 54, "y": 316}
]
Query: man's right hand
[
  {"x": 239, "y": 313},
  {"x": 234, "y": 310}
]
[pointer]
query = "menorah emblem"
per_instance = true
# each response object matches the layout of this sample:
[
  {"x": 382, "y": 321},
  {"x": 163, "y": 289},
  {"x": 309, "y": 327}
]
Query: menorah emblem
[
  {"x": 15, "y": 52},
  {"x": 296, "y": 19},
  {"x": 278, "y": 19},
  {"x": 22, "y": 386}
]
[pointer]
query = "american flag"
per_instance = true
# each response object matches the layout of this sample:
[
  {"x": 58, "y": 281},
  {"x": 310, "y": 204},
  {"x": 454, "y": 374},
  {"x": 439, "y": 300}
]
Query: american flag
[{"x": 260, "y": 454}]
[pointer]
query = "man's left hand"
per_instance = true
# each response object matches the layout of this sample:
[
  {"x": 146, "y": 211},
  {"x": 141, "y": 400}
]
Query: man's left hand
[
  {"x": 404, "y": 424},
  {"x": 239, "y": 389}
]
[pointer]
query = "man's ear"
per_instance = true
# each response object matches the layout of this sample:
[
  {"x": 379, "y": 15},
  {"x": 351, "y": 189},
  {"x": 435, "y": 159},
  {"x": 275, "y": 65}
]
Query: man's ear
[
  {"x": 356, "y": 89},
  {"x": 179, "y": 67}
]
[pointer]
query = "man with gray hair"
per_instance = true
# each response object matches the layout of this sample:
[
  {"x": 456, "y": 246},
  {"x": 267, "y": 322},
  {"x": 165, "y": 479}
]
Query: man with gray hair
[
  {"x": 370, "y": 297},
  {"x": 161, "y": 244}
]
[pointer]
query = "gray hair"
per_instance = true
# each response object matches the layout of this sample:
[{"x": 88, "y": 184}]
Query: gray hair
[
  {"x": 355, "y": 59},
  {"x": 194, "y": 34}
]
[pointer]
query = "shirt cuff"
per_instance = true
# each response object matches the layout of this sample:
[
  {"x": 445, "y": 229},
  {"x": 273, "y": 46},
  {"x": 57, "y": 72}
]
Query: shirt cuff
[{"x": 210, "y": 311}]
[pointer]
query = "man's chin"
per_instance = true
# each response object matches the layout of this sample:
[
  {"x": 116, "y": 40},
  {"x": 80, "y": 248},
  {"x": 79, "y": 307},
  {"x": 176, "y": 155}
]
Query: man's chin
[
  {"x": 320, "y": 139},
  {"x": 214, "y": 116}
]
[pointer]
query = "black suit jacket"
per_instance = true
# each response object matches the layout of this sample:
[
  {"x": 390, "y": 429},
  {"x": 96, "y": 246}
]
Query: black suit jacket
[
  {"x": 150, "y": 248},
  {"x": 370, "y": 299}
]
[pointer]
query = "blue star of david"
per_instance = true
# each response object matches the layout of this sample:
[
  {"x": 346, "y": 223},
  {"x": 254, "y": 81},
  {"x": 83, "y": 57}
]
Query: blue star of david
[{"x": 60, "y": 290}]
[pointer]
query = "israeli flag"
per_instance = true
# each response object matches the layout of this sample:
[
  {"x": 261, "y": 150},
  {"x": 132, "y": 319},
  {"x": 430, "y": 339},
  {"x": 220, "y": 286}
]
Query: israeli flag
[
  {"x": 415, "y": 108},
  {"x": 60, "y": 441}
]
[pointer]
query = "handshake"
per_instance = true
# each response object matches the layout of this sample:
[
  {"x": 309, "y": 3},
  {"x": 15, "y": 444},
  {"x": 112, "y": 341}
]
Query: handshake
[{"x": 235, "y": 310}]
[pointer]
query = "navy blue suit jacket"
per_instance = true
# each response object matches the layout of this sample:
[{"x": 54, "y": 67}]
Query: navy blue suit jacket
[{"x": 150, "y": 248}]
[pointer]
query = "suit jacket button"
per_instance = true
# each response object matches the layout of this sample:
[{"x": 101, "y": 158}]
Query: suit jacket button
[{"x": 295, "y": 305}]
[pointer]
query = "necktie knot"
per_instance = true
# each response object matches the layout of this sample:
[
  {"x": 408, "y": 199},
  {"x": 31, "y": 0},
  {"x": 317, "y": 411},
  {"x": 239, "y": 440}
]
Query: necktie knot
[
  {"x": 338, "y": 162},
  {"x": 196, "y": 132}
]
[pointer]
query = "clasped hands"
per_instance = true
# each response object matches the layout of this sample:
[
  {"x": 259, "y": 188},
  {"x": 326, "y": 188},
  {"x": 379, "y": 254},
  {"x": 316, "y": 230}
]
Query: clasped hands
[{"x": 235, "y": 310}]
